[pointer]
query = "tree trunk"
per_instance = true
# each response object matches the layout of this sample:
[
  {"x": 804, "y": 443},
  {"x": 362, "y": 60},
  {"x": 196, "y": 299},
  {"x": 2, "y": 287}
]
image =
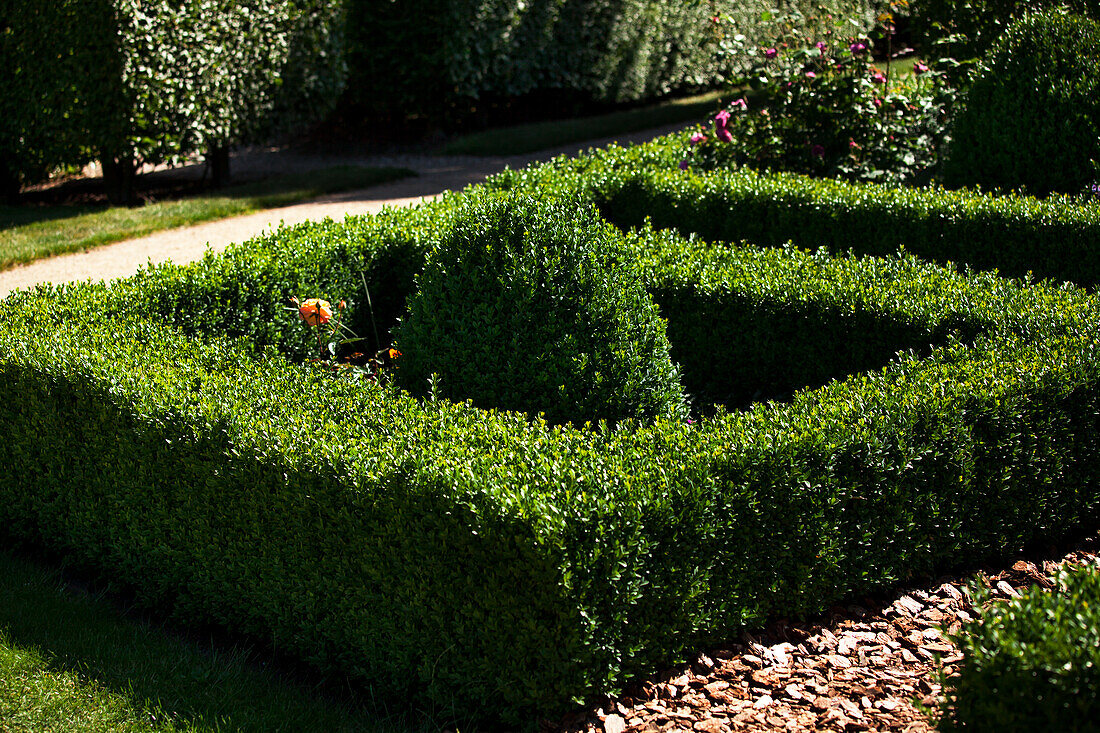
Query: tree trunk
[
  {"x": 119, "y": 176},
  {"x": 9, "y": 185},
  {"x": 217, "y": 158}
]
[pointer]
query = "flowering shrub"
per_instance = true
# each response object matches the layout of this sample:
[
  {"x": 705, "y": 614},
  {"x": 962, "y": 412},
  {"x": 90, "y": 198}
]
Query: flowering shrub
[
  {"x": 316, "y": 312},
  {"x": 338, "y": 354},
  {"x": 823, "y": 108}
]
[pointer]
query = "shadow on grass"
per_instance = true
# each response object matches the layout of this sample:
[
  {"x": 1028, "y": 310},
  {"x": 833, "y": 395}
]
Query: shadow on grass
[
  {"x": 167, "y": 188},
  {"x": 537, "y": 136},
  {"x": 17, "y": 216},
  {"x": 201, "y": 685}
]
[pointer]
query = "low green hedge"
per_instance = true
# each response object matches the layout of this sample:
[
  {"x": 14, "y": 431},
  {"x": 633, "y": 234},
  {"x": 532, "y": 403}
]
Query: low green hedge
[
  {"x": 1031, "y": 663},
  {"x": 1016, "y": 235},
  {"x": 160, "y": 431}
]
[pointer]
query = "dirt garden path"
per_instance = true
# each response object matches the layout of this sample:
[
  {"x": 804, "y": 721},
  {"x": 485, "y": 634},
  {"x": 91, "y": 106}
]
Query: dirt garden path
[{"x": 435, "y": 174}]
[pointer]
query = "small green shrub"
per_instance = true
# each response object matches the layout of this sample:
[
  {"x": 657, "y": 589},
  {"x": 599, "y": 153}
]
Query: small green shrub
[
  {"x": 526, "y": 307},
  {"x": 1031, "y": 119},
  {"x": 1031, "y": 663}
]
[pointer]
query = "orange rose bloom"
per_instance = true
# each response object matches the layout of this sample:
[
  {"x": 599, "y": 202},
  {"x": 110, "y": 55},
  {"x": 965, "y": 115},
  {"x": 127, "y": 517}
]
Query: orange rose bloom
[{"x": 315, "y": 312}]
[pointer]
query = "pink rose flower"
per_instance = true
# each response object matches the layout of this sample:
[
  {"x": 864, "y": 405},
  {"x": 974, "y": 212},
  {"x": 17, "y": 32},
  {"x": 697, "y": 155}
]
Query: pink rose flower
[
  {"x": 920, "y": 68},
  {"x": 724, "y": 135},
  {"x": 698, "y": 138},
  {"x": 857, "y": 48},
  {"x": 770, "y": 53},
  {"x": 811, "y": 75},
  {"x": 722, "y": 118},
  {"x": 820, "y": 45},
  {"x": 741, "y": 104},
  {"x": 879, "y": 78}
]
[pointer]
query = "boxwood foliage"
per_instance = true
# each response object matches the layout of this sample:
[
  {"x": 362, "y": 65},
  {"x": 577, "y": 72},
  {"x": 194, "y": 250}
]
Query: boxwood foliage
[
  {"x": 1031, "y": 119},
  {"x": 1030, "y": 663},
  {"x": 527, "y": 306},
  {"x": 425, "y": 57},
  {"x": 1017, "y": 235},
  {"x": 489, "y": 562}
]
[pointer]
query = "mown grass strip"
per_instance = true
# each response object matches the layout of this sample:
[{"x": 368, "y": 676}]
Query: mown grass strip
[
  {"x": 30, "y": 233},
  {"x": 71, "y": 661},
  {"x": 530, "y": 138}
]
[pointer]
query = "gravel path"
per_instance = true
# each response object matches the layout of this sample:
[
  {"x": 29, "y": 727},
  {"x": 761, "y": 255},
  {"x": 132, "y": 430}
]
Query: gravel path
[{"x": 435, "y": 174}]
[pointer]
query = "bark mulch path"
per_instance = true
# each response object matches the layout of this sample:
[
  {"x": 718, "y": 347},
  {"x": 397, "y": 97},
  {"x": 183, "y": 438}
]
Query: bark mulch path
[{"x": 859, "y": 668}]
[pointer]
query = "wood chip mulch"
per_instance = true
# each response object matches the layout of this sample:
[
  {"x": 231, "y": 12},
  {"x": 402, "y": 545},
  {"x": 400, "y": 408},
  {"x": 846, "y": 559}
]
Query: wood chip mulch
[{"x": 858, "y": 668}]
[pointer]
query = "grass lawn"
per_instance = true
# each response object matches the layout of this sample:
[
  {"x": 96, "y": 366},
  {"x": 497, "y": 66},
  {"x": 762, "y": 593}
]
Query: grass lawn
[
  {"x": 553, "y": 133},
  {"x": 28, "y": 233},
  {"x": 71, "y": 661}
]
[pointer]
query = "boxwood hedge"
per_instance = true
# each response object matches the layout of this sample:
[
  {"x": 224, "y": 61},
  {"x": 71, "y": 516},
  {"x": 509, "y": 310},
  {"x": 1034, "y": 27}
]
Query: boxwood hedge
[
  {"x": 529, "y": 306},
  {"x": 1054, "y": 238},
  {"x": 163, "y": 430},
  {"x": 1032, "y": 102}
]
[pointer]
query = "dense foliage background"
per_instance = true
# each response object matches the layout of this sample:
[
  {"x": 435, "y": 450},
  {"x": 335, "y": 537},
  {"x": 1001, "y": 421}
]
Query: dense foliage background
[
  {"x": 431, "y": 57},
  {"x": 130, "y": 82}
]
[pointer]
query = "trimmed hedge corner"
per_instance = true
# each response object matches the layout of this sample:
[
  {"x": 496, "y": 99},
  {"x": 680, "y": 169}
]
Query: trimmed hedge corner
[{"x": 1017, "y": 235}]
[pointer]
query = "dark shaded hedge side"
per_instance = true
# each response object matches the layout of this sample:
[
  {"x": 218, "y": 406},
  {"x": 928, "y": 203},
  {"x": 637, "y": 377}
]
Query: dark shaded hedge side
[
  {"x": 1056, "y": 238},
  {"x": 493, "y": 563},
  {"x": 61, "y": 86},
  {"x": 420, "y": 57}
]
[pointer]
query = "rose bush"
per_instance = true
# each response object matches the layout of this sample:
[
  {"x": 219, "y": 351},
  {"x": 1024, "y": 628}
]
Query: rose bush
[
  {"x": 315, "y": 312},
  {"x": 822, "y": 107}
]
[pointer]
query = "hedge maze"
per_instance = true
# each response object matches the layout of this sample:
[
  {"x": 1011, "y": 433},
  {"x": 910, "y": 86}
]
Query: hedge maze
[{"x": 860, "y": 415}]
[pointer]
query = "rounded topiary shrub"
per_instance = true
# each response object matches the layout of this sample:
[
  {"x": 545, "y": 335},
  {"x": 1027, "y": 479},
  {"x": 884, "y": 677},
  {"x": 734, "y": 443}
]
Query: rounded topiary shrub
[
  {"x": 1031, "y": 119},
  {"x": 526, "y": 306},
  {"x": 1030, "y": 663}
]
